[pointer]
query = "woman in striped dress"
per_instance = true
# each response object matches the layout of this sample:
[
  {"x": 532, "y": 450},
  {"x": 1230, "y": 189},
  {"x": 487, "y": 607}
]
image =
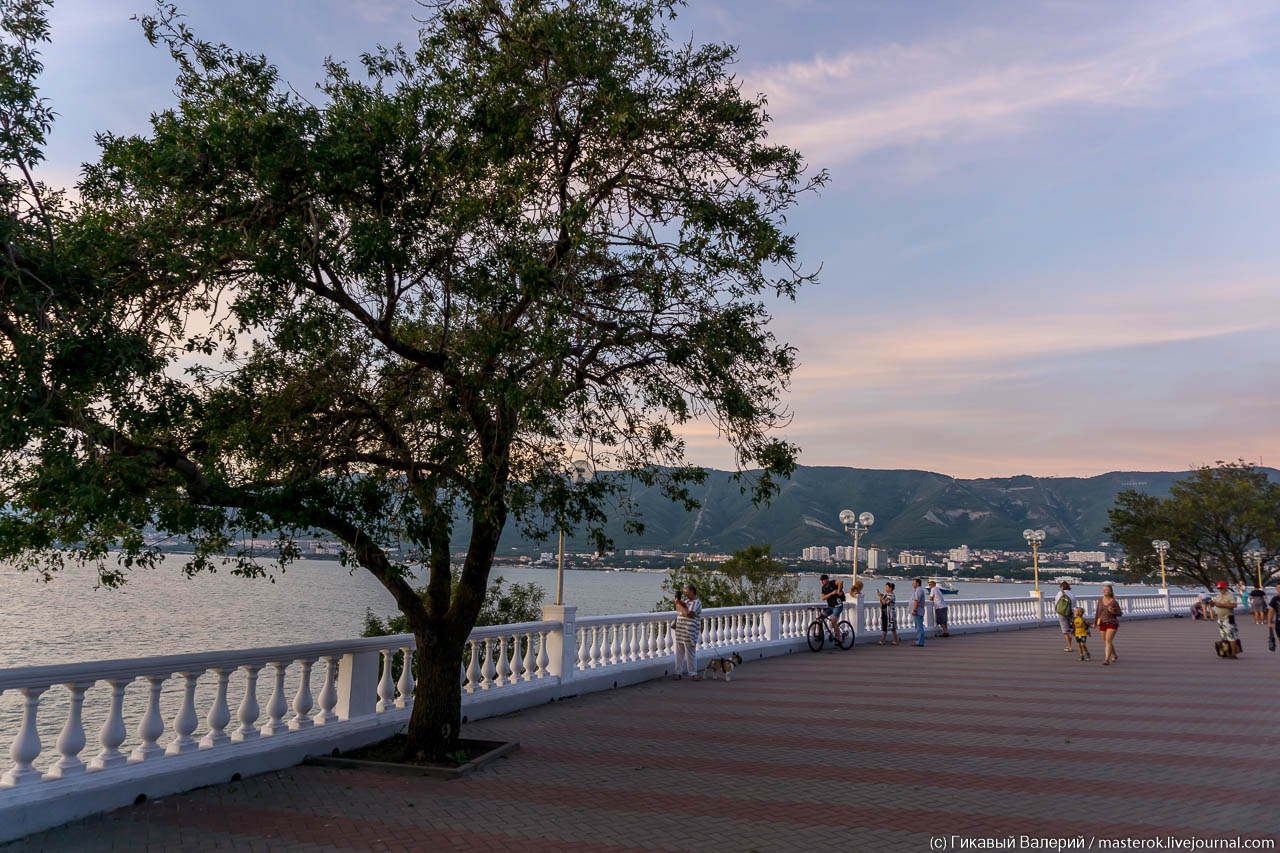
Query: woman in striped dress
[{"x": 688, "y": 629}]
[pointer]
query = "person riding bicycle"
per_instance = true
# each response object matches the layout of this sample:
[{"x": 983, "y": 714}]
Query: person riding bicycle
[{"x": 833, "y": 597}]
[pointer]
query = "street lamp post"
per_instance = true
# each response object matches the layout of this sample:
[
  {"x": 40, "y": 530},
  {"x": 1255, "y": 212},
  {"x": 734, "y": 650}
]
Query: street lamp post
[
  {"x": 580, "y": 473},
  {"x": 1162, "y": 548},
  {"x": 1034, "y": 539},
  {"x": 856, "y": 525},
  {"x": 1257, "y": 555}
]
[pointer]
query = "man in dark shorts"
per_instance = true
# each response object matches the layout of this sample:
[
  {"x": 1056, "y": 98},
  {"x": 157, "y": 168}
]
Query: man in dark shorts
[
  {"x": 833, "y": 598},
  {"x": 1273, "y": 612}
]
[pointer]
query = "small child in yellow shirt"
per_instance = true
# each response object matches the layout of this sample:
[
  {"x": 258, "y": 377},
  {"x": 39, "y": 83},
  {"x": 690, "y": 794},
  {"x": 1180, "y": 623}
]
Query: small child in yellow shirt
[{"x": 1081, "y": 626}]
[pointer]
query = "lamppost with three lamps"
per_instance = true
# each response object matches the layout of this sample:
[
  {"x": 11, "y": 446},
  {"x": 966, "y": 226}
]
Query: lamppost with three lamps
[
  {"x": 1258, "y": 556},
  {"x": 1162, "y": 548},
  {"x": 856, "y": 525},
  {"x": 1034, "y": 539}
]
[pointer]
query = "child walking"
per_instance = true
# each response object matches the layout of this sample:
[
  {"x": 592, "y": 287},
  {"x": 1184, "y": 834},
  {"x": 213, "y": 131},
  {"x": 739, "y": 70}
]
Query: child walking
[{"x": 1081, "y": 628}]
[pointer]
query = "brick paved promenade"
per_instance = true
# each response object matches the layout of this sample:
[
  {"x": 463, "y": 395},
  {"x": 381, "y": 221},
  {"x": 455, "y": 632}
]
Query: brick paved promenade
[{"x": 874, "y": 749}]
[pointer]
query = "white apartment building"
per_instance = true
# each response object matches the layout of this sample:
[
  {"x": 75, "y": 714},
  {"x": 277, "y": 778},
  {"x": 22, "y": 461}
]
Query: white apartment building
[
  {"x": 816, "y": 553},
  {"x": 906, "y": 558},
  {"x": 1086, "y": 556},
  {"x": 873, "y": 559},
  {"x": 844, "y": 554},
  {"x": 959, "y": 555},
  {"x": 642, "y": 552}
]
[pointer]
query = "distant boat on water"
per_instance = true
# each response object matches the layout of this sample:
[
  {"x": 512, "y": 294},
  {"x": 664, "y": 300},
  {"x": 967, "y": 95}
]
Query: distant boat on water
[{"x": 947, "y": 587}]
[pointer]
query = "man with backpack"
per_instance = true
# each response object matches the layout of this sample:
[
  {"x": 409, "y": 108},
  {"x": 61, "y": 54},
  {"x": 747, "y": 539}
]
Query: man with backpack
[{"x": 1065, "y": 608}]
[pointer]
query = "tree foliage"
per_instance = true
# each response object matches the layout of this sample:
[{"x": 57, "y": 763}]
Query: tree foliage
[
  {"x": 750, "y": 576},
  {"x": 546, "y": 230},
  {"x": 504, "y": 604},
  {"x": 1211, "y": 519}
]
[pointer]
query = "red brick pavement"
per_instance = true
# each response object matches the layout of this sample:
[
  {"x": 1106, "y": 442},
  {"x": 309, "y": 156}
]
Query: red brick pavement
[{"x": 986, "y": 735}]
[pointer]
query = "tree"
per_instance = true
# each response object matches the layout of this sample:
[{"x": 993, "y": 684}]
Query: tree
[
  {"x": 1211, "y": 520},
  {"x": 504, "y": 604},
  {"x": 750, "y": 576},
  {"x": 545, "y": 231}
]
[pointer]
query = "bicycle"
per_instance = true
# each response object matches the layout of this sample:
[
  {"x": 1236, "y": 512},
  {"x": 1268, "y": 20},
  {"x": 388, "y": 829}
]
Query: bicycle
[{"x": 819, "y": 632}]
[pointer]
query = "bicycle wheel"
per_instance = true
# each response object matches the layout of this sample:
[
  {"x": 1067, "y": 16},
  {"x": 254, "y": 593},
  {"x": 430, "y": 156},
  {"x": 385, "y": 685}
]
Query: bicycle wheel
[
  {"x": 846, "y": 634},
  {"x": 817, "y": 635}
]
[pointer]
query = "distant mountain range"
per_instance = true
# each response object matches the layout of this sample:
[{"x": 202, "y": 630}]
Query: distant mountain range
[{"x": 913, "y": 509}]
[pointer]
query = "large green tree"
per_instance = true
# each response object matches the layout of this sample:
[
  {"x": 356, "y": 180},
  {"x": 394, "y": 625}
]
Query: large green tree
[
  {"x": 546, "y": 230},
  {"x": 750, "y": 576},
  {"x": 1212, "y": 520}
]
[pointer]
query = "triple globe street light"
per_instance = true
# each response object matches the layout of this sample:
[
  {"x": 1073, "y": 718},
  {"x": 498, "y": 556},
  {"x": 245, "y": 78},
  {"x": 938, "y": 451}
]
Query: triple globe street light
[
  {"x": 1258, "y": 556},
  {"x": 1162, "y": 548},
  {"x": 1034, "y": 538},
  {"x": 856, "y": 525}
]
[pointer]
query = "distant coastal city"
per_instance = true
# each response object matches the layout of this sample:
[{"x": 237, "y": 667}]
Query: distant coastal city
[{"x": 960, "y": 563}]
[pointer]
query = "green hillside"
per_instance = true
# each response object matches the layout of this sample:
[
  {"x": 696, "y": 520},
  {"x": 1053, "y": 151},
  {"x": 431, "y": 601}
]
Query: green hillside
[{"x": 913, "y": 509}]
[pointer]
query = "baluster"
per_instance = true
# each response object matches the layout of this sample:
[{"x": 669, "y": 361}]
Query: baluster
[
  {"x": 599, "y": 640},
  {"x": 584, "y": 650},
  {"x": 249, "y": 710},
  {"x": 186, "y": 721},
  {"x": 112, "y": 733},
  {"x": 543, "y": 660},
  {"x": 506, "y": 664},
  {"x": 530, "y": 663},
  {"x": 615, "y": 649},
  {"x": 152, "y": 724},
  {"x": 633, "y": 641},
  {"x": 328, "y": 698},
  {"x": 276, "y": 705},
  {"x": 473, "y": 668},
  {"x": 404, "y": 687},
  {"x": 72, "y": 739},
  {"x": 302, "y": 699},
  {"x": 386, "y": 687},
  {"x": 219, "y": 714},
  {"x": 488, "y": 671},
  {"x": 26, "y": 743}
]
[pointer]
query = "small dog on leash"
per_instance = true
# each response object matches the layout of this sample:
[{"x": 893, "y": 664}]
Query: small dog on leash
[{"x": 724, "y": 666}]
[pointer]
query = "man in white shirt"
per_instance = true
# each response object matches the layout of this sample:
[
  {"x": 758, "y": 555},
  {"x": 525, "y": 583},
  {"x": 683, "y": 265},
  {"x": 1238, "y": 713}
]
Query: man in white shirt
[
  {"x": 917, "y": 609},
  {"x": 939, "y": 607},
  {"x": 1065, "y": 612}
]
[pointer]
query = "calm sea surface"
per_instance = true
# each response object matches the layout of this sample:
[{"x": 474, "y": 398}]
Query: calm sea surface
[{"x": 162, "y": 612}]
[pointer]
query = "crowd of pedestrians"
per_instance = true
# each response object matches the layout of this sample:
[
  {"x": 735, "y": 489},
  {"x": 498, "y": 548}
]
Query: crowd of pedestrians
[{"x": 1075, "y": 626}]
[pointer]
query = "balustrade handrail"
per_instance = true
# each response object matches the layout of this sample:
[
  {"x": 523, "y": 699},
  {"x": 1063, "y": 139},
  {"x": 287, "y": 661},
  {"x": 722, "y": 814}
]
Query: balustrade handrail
[
  {"x": 106, "y": 670},
  {"x": 103, "y": 670}
]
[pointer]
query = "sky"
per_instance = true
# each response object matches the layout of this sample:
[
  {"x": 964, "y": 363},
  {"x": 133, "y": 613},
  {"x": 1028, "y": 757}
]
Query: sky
[{"x": 1051, "y": 240}]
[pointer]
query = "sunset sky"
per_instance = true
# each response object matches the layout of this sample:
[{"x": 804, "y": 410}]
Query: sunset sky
[{"x": 1051, "y": 241}]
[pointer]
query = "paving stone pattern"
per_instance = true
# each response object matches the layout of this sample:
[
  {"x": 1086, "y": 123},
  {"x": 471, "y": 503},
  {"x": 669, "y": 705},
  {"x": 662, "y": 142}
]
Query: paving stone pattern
[{"x": 985, "y": 736}]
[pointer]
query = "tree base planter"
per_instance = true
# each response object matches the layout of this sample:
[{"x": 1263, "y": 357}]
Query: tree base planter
[{"x": 478, "y": 753}]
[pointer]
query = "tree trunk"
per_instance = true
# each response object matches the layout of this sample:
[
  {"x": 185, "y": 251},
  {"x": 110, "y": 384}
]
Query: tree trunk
[{"x": 436, "y": 719}]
